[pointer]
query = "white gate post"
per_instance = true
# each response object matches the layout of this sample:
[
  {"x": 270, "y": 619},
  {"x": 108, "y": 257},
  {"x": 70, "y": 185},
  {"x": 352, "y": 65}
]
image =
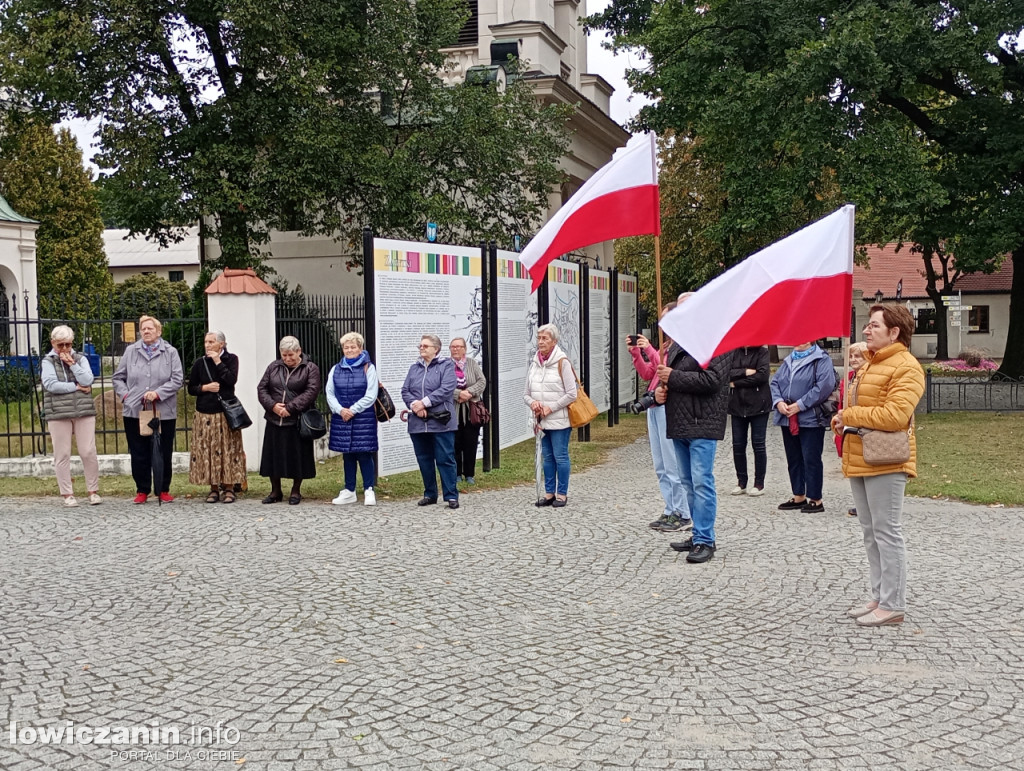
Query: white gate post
[{"x": 241, "y": 305}]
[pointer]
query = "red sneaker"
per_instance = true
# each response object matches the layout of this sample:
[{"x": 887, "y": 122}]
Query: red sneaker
[
  {"x": 141, "y": 498},
  {"x": 166, "y": 497}
]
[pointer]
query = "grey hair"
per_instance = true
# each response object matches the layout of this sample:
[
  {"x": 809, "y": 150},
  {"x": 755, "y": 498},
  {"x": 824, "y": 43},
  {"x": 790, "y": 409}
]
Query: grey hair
[
  {"x": 452, "y": 341},
  {"x": 352, "y": 337},
  {"x": 289, "y": 343},
  {"x": 434, "y": 340},
  {"x": 62, "y": 334},
  {"x": 551, "y": 329},
  {"x": 683, "y": 297},
  {"x": 217, "y": 334}
]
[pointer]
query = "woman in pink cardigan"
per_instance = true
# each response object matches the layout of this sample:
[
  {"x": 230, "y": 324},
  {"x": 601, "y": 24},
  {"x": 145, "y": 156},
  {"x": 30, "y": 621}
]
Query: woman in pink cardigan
[{"x": 676, "y": 515}]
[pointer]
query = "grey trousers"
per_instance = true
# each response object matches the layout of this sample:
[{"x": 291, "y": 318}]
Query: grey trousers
[{"x": 879, "y": 502}]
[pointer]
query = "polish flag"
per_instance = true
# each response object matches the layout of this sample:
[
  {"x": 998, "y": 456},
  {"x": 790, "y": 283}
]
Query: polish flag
[
  {"x": 620, "y": 200},
  {"x": 796, "y": 290}
]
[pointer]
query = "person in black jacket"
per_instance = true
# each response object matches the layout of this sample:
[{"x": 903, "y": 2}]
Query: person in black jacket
[
  {"x": 217, "y": 457},
  {"x": 750, "y": 405},
  {"x": 695, "y": 402}
]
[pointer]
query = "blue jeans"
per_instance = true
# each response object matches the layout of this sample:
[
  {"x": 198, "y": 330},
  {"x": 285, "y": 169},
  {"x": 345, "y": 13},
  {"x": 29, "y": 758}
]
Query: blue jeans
[
  {"x": 365, "y": 462},
  {"x": 663, "y": 453},
  {"x": 436, "y": 451},
  {"x": 696, "y": 459},
  {"x": 554, "y": 447},
  {"x": 803, "y": 455},
  {"x": 758, "y": 434}
]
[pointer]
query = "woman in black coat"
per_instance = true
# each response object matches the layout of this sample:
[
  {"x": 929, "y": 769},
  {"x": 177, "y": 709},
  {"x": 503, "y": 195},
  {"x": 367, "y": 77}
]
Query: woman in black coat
[
  {"x": 288, "y": 388},
  {"x": 750, "y": 406}
]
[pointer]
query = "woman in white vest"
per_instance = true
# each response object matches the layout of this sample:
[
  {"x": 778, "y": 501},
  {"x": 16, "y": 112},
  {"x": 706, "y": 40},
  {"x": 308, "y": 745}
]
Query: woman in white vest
[
  {"x": 550, "y": 389},
  {"x": 70, "y": 410}
]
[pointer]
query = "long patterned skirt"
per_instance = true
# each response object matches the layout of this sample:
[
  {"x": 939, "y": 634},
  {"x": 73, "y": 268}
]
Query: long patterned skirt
[{"x": 217, "y": 455}]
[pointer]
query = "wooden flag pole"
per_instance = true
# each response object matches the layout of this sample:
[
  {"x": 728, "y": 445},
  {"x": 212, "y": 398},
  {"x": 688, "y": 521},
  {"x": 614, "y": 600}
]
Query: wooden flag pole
[{"x": 657, "y": 281}]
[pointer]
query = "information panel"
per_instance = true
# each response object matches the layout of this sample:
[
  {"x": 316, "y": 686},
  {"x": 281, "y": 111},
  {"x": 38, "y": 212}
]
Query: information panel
[
  {"x": 564, "y": 307},
  {"x": 627, "y": 326},
  {"x": 517, "y": 344},
  {"x": 600, "y": 329}
]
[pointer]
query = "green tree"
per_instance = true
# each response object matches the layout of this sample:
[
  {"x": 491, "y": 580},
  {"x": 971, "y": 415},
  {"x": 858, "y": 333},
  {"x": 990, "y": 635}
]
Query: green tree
[
  {"x": 915, "y": 107},
  {"x": 41, "y": 176},
  {"x": 323, "y": 117}
]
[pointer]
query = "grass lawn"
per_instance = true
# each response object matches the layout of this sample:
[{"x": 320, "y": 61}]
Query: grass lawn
[
  {"x": 971, "y": 456},
  {"x": 517, "y": 464}
]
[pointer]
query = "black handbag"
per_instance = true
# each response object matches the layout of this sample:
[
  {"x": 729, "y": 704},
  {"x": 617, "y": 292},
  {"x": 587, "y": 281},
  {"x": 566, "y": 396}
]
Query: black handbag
[
  {"x": 234, "y": 413},
  {"x": 311, "y": 424},
  {"x": 384, "y": 407}
]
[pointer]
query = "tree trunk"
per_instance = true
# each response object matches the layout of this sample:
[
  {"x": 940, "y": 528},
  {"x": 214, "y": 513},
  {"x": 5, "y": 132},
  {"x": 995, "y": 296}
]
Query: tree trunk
[
  {"x": 1013, "y": 357},
  {"x": 233, "y": 236}
]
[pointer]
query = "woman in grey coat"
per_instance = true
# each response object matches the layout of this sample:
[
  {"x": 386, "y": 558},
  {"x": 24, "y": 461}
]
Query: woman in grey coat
[
  {"x": 149, "y": 372},
  {"x": 69, "y": 409},
  {"x": 469, "y": 387}
]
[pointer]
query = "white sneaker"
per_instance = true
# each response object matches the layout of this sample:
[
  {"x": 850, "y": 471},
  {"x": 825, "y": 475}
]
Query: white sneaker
[
  {"x": 94, "y": 499},
  {"x": 738, "y": 490},
  {"x": 369, "y": 499},
  {"x": 70, "y": 502},
  {"x": 345, "y": 496},
  {"x": 756, "y": 491}
]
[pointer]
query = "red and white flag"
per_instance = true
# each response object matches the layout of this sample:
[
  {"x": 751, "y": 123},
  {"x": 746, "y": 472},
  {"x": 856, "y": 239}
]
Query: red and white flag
[
  {"x": 796, "y": 290},
  {"x": 620, "y": 200}
]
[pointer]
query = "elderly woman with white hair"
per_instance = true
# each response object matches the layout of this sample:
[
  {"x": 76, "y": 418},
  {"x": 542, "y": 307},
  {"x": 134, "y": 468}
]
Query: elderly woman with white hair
[
  {"x": 217, "y": 457},
  {"x": 70, "y": 410},
  {"x": 550, "y": 389},
  {"x": 351, "y": 391},
  {"x": 288, "y": 388}
]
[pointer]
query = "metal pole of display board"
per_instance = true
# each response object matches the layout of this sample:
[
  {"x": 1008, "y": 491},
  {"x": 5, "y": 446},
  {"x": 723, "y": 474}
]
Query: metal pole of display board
[
  {"x": 495, "y": 407},
  {"x": 613, "y": 333},
  {"x": 543, "y": 311},
  {"x": 370, "y": 309},
  {"x": 485, "y": 346},
  {"x": 583, "y": 432}
]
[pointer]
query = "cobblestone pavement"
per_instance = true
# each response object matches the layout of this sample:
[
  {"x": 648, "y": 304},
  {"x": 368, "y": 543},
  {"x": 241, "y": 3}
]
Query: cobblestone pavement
[{"x": 502, "y": 636}]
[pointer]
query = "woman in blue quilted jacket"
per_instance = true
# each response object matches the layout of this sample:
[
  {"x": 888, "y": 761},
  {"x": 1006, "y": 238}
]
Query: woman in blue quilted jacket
[{"x": 351, "y": 392}]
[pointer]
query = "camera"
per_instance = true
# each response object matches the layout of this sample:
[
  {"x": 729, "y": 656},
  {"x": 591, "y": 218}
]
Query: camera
[
  {"x": 631, "y": 339},
  {"x": 643, "y": 403}
]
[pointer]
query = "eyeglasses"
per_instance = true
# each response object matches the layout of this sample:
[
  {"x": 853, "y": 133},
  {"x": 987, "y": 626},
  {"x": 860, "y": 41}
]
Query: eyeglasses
[
  {"x": 62, "y": 345},
  {"x": 426, "y": 345}
]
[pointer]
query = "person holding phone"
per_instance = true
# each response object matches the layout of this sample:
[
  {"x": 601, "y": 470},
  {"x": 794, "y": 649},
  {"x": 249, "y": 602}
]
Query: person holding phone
[{"x": 70, "y": 411}]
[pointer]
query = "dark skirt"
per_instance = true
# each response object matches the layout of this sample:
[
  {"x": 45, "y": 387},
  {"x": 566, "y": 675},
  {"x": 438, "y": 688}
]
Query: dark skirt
[{"x": 286, "y": 454}]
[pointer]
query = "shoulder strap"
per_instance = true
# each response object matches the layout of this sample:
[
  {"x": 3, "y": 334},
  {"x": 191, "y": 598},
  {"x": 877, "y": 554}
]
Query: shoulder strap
[{"x": 573, "y": 369}]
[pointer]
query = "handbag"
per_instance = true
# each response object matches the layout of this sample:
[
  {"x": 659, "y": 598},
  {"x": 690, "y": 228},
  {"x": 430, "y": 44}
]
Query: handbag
[
  {"x": 885, "y": 448},
  {"x": 479, "y": 415},
  {"x": 311, "y": 424},
  {"x": 145, "y": 418},
  {"x": 582, "y": 410},
  {"x": 384, "y": 405},
  {"x": 234, "y": 412}
]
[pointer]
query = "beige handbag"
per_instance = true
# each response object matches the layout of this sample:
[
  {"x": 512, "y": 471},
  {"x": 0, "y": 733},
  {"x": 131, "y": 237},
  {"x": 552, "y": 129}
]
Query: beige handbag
[
  {"x": 147, "y": 414},
  {"x": 583, "y": 410},
  {"x": 885, "y": 448}
]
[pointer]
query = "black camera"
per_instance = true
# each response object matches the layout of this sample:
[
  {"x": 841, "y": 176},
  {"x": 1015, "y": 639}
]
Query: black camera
[{"x": 645, "y": 402}]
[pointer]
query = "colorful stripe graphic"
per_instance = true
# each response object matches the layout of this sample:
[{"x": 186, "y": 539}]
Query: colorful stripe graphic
[
  {"x": 512, "y": 269},
  {"x": 399, "y": 261},
  {"x": 563, "y": 275},
  {"x": 627, "y": 284},
  {"x": 599, "y": 282}
]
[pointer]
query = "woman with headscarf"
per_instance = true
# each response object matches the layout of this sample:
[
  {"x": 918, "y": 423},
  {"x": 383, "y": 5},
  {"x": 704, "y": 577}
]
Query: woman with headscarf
[
  {"x": 469, "y": 387},
  {"x": 288, "y": 388}
]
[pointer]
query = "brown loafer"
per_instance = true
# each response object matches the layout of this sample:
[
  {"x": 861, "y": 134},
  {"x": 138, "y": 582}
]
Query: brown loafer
[{"x": 881, "y": 617}]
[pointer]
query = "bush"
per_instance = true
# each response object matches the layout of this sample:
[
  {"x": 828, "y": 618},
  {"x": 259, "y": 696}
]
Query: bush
[
  {"x": 972, "y": 357},
  {"x": 15, "y": 384}
]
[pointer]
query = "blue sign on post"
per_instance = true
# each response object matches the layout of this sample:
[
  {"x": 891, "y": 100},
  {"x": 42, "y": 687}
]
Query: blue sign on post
[
  {"x": 431, "y": 232},
  {"x": 515, "y": 242}
]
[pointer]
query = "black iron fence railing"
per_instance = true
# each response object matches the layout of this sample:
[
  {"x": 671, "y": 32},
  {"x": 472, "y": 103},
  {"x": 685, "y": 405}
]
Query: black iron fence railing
[{"x": 972, "y": 394}]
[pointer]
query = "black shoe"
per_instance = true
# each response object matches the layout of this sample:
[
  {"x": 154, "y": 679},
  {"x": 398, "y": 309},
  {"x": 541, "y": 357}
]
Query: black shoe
[
  {"x": 656, "y": 524},
  {"x": 425, "y": 501},
  {"x": 453, "y": 504},
  {"x": 294, "y": 500},
  {"x": 559, "y": 503},
  {"x": 701, "y": 552},
  {"x": 675, "y": 524},
  {"x": 852, "y": 512},
  {"x": 682, "y": 545},
  {"x": 813, "y": 508},
  {"x": 792, "y": 505},
  {"x": 273, "y": 498},
  {"x": 545, "y": 502}
]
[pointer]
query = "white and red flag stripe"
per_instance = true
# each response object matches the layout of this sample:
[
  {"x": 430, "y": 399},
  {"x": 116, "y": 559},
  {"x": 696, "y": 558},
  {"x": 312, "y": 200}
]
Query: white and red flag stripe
[
  {"x": 620, "y": 200},
  {"x": 791, "y": 292}
]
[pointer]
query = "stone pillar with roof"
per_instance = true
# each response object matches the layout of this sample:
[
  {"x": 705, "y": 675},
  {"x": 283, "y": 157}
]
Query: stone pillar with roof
[
  {"x": 241, "y": 305},
  {"x": 18, "y": 273}
]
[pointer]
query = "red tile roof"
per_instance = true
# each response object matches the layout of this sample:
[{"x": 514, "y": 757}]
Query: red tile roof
[
  {"x": 239, "y": 281},
  {"x": 887, "y": 267}
]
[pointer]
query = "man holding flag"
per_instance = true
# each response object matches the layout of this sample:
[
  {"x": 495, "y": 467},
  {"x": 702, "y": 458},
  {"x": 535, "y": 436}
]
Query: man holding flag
[{"x": 696, "y": 405}]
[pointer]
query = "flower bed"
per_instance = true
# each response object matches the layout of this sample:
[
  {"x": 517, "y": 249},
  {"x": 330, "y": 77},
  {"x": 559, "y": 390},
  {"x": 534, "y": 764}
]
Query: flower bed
[{"x": 958, "y": 366}]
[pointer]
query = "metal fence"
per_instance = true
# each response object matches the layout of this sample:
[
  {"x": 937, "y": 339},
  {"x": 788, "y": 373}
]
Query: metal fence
[
  {"x": 104, "y": 326},
  {"x": 974, "y": 394},
  {"x": 319, "y": 321}
]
